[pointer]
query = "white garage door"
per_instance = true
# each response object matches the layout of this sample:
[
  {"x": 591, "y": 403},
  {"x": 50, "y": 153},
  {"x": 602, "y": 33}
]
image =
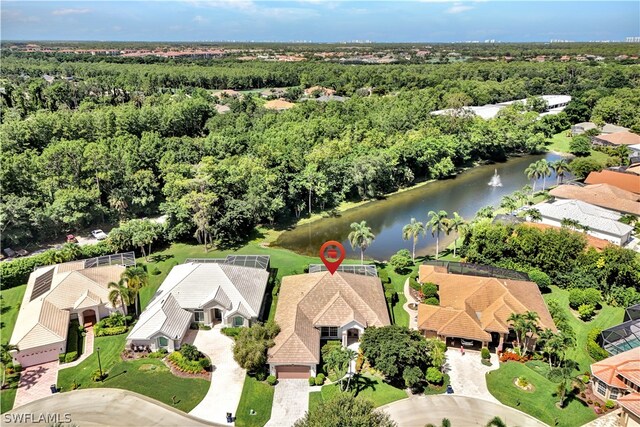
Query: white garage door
[{"x": 39, "y": 356}]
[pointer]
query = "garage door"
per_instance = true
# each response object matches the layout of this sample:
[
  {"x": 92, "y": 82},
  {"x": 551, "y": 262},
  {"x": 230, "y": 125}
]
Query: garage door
[
  {"x": 292, "y": 372},
  {"x": 37, "y": 357}
]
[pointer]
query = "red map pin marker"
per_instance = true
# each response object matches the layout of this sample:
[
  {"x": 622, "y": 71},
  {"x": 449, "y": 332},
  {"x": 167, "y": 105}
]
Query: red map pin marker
[{"x": 332, "y": 254}]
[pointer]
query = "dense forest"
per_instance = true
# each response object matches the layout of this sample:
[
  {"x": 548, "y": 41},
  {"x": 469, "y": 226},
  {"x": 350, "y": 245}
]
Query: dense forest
[{"x": 117, "y": 141}]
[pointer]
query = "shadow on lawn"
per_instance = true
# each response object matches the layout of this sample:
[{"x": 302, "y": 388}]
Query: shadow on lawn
[{"x": 362, "y": 383}]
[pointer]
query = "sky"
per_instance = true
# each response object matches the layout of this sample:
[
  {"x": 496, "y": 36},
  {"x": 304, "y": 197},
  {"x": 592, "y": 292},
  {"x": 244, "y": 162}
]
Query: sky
[{"x": 320, "y": 20}]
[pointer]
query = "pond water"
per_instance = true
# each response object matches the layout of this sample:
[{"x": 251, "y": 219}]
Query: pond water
[{"x": 465, "y": 194}]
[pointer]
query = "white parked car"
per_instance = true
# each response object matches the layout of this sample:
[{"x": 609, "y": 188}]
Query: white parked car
[{"x": 99, "y": 234}]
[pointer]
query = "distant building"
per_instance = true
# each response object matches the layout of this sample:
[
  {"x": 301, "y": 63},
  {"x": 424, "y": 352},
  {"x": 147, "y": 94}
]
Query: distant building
[
  {"x": 319, "y": 89},
  {"x": 599, "y": 222},
  {"x": 628, "y": 181},
  {"x": 555, "y": 103},
  {"x": 222, "y": 109},
  {"x": 604, "y": 195},
  {"x": 616, "y": 139},
  {"x": 580, "y": 128},
  {"x": 278, "y": 105}
]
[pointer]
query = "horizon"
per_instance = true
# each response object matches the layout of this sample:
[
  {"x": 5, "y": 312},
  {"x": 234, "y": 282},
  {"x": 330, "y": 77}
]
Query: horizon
[{"x": 310, "y": 21}]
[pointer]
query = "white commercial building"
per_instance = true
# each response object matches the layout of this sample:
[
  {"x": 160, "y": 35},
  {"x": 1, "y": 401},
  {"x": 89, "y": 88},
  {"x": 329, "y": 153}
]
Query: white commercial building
[{"x": 555, "y": 104}]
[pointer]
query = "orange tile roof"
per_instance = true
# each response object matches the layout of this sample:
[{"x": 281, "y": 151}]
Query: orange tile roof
[
  {"x": 603, "y": 195},
  {"x": 472, "y": 306},
  {"x": 621, "y": 138},
  {"x": 278, "y": 104},
  {"x": 631, "y": 402},
  {"x": 307, "y": 302},
  {"x": 622, "y": 180},
  {"x": 593, "y": 242},
  {"x": 612, "y": 369}
]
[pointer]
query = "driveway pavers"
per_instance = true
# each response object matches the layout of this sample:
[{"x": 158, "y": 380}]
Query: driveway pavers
[
  {"x": 467, "y": 373},
  {"x": 290, "y": 402},
  {"x": 227, "y": 379},
  {"x": 35, "y": 383},
  {"x": 460, "y": 410}
]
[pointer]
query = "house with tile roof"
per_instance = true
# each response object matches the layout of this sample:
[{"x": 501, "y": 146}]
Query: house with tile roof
[
  {"x": 618, "y": 378},
  {"x": 204, "y": 292},
  {"x": 580, "y": 128},
  {"x": 599, "y": 222},
  {"x": 616, "y": 139},
  {"x": 476, "y": 308},
  {"x": 55, "y": 295},
  {"x": 627, "y": 181},
  {"x": 604, "y": 195},
  {"x": 278, "y": 105},
  {"x": 316, "y": 307}
]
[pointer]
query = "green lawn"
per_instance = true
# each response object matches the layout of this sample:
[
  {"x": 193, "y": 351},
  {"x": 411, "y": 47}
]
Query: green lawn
[
  {"x": 149, "y": 377},
  {"x": 11, "y": 299},
  {"x": 368, "y": 387},
  {"x": 258, "y": 396},
  {"x": 606, "y": 317},
  {"x": 8, "y": 395},
  {"x": 539, "y": 403},
  {"x": 560, "y": 143}
]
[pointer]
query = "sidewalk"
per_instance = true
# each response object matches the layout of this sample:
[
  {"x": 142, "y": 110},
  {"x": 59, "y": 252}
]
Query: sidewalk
[{"x": 413, "y": 314}]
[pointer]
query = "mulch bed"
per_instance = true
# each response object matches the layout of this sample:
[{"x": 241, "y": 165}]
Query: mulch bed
[{"x": 178, "y": 373}]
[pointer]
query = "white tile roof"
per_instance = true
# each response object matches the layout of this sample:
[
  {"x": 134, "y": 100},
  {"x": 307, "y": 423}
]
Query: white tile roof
[
  {"x": 164, "y": 318},
  {"x": 594, "y": 217}
]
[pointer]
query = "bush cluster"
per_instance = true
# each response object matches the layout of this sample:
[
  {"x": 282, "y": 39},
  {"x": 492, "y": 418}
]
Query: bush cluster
[
  {"x": 159, "y": 354},
  {"x": 586, "y": 311},
  {"x": 320, "y": 379},
  {"x": 434, "y": 376},
  {"x": 429, "y": 290},
  {"x": 485, "y": 354},
  {"x": 589, "y": 296},
  {"x": 231, "y": 332},
  {"x": 312, "y": 381},
  {"x": 595, "y": 351},
  {"x": 384, "y": 276},
  {"x": 272, "y": 380},
  {"x": 107, "y": 332},
  {"x": 185, "y": 365},
  {"x": 541, "y": 278},
  {"x": 401, "y": 260}
]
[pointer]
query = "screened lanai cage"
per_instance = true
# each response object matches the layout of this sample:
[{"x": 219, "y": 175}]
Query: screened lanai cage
[{"x": 625, "y": 336}]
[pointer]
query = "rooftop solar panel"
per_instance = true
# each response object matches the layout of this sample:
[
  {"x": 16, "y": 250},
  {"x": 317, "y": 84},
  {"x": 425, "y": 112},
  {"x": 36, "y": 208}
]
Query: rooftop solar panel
[{"x": 42, "y": 284}]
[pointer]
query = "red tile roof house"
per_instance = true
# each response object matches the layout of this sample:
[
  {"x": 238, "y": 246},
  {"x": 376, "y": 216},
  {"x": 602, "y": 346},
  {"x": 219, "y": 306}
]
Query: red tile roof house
[
  {"x": 618, "y": 378},
  {"x": 616, "y": 139},
  {"x": 316, "y": 307},
  {"x": 476, "y": 308}
]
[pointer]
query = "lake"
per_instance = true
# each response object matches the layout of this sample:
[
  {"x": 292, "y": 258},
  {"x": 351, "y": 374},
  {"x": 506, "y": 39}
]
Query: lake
[{"x": 465, "y": 194}]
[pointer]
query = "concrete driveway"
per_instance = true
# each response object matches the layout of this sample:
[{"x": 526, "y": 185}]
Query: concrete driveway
[
  {"x": 467, "y": 373},
  {"x": 290, "y": 402},
  {"x": 460, "y": 410},
  {"x": 99, "y": 407},
  {"x": 227, "y": 378},
  {"x": 35, "y": 383}
]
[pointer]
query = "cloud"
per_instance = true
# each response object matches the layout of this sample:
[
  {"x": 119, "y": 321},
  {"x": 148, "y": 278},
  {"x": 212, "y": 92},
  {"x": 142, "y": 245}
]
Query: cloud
[
  {"x": 17, "y": 16},
  {"x": 200, "y": 20},
  {"x": 62, "y": 12},
  {"x": 458, "y": 8},
  {"x": 244, "y": 5}
]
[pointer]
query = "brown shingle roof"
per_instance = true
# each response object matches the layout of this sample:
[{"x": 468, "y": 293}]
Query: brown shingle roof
[
  {"x": 620, "y": 138},
  {"x": 624, "y": 181},
  {"x": 611, "y": 369},
  {"x": 603, "y": 195},
  {"x": 309, "y": 301},
  {"x": 473, "y": 306}
]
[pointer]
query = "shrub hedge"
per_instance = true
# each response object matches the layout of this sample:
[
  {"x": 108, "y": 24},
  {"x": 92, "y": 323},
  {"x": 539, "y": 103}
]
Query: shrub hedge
[
  {"x": 595, "y": 351},
  {"x": 231, "y": 332},
  {"x": 107, "y": 332},
  {"x": 184, "y": 365}
]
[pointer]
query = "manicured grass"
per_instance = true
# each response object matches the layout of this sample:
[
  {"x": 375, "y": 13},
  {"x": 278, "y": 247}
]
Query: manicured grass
[
  {"x": 149, "y": 377},
  {"x": 539, "y": 403},
  {"x": 606, "y": 317},
  {"x": 110, "y": 349},
  {"x": 368, "y": 387},
  {"x": 11, "y": 299},
  {"x": 560, "y": 143},
  {"x": 315, "y": 397},
  {"x": 398, "y": 315},
  {"x": 8, "y": 395},
  {"x": 258, "y": 396}
]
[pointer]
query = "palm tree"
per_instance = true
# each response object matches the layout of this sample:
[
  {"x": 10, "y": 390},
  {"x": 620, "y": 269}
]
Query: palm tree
[
  {"x": 561, "y": 167},
  {"x": 485, "y": 212},
  {"x": 413, "y": 231},
  {"x": 437, "y": 221},
  {"x": 135, "y": 278},
  {"x": 444, "y": 423},
  {"x": 361, "y": 237},
  {"x": 533, "y": 173},
  {"x": 496, "y": 422},
  {"x": 455, "y": 224},
  {"x": 532, "y": 214},
  {"x": 120, "y": 293},
  {"x": 508, "y": 203},
  {"x": 530, "y": 325},
  {"x": 545, "y": 170},
  {"x": 5, "y": 357},
  {"x": 520, "y": 197},
  {"x": 570, "y": 223},
  {"x": 519, "y": 326}
]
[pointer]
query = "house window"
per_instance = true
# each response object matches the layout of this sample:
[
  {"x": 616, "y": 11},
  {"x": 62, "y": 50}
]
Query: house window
[
  {"x": 198, "y": 316},
  {"x": 614, "y": 394},
  {"x": 602, "y": 388},
  {"x": 329, "y": 332},
  {"x": 163, "y": 342},
  {"x": 238, "y": 321}
]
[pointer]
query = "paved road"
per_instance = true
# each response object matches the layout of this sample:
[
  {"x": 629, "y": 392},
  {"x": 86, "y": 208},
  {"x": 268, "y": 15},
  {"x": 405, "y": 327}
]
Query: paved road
[
  {"x": 227, "y": 378},
  {"x": 467, "y": 373},
  {"x": 100, "y": 407},
  {"x": 290, "y": 402},
  {"x": 460, "y": 410}
]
